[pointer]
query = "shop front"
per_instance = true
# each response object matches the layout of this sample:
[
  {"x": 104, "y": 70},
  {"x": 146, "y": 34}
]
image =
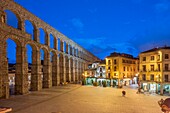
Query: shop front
[
  {"x": 127, "y": 81},
  {"x": 90, "y": 80},
  {"x": 166, "y": 89},
  {"x": 149, "y": 87},
  {"x": 100, "y": 81}
]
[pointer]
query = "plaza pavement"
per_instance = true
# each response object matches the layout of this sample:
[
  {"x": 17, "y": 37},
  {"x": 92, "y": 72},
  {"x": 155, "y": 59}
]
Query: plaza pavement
[{"x": 83, "y": 99}]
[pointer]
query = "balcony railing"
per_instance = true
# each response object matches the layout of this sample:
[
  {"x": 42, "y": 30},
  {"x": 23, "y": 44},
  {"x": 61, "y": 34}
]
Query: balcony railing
[
  {"x": 166, "y": 80},
  {"x": 150, "y": 70},
  {"x": 166, "y": 70}
]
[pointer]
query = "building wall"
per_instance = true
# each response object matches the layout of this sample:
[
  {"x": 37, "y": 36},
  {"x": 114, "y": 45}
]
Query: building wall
[
  {"x": 157, "y": 74},
  {"x": 121, "y": 67}
]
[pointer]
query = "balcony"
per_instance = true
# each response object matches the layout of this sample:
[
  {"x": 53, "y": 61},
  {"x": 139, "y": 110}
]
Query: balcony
[
  {"x": 166, "y": 80},
  {"x": 166, "y": 70}
]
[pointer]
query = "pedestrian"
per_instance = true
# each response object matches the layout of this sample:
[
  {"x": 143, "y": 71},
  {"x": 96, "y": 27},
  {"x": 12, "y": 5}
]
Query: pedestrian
[
  {"x": 123, "y": 93},
  {"x": 139, "y": 91}
]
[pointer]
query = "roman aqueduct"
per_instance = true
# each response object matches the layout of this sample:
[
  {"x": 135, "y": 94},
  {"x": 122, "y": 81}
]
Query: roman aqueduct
[{"x": 65, "y": 65}]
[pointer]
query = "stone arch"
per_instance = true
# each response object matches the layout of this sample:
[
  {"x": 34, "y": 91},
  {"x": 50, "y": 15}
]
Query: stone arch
[
  {"x": 46, "y": 67},
  {"x": 67, "y": 66},
  {"x": 15, "y": 39},
  {"x": 64, "y": 46},
  {"x": 52, "y": 41},
  {"x": 67, "y": 49},
  {"x": 18, "y": 26},
  {"x": 76, "y": 70},
  {"x": 42, "y": 36},
  {"x": 21, "y": 39},
  {"x": 61, "y": 66},
  {"x": 11, "y": 68},
  {"x": 58, "y": 44},
  {"x": 34, "y": 77},
  {"x": 31, "y": 28},
  {"x": 71, "y": 50},
  {"x": 72, "y": 69},
  {"x": 21, "y": 72},
  {"x": 54, "y": 63}
]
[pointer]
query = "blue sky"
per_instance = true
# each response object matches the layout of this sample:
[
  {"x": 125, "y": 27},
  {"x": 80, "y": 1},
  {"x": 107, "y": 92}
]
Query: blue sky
[{"x": 105, "y": 26}]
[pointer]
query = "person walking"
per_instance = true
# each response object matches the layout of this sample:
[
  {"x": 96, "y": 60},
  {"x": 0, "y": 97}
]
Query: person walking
[{"x": 123, "y": 93}]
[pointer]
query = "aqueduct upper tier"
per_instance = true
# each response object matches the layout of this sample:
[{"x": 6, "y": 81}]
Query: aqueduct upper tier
[{"x": 63, "y": 62}]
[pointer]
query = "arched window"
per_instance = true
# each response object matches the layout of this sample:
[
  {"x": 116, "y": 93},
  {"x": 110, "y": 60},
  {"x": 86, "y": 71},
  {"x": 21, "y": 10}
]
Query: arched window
[
  {"x": 51, "y": 41},
  {"x": 42, "y": 36},
  {"x": 29, "y": 28},
  {"x": 12, "y": 19},
  {"x": 100, "y": 69}
]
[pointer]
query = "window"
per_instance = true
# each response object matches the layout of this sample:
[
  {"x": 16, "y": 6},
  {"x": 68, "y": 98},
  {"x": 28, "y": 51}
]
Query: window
[
  {"x": 109, "y": 62},
  {"x": 108, "y": 67},
  {"x": 115, "y": 74},
  {"x": 127, "y": 68},
  {"x": 144, "y": 59},
  {"x": 152, "y": 77},
  {"x": 143, "y": 77},
  {"x": 123, "y": 61},
  {"x": 152, "y": 67},
  {"x": 100, "y": 69},
  {"x": 124, "y": 69},
  {"x": 115, "y": 61},
  {"x": 166, "y": 67},
  {"x": 152, "y": 57},
  {"x": 115, "y": 68},
  {"x": 166, "y": 56},
  {"x": 159, "y": 68},
  {"x": 159, "y": 57},
  {"x": 166, "y": 78},
  {"x": 100, "y": 74},
  {"x": 109, "y": 75},
  {"x": 144, "y": 67}
]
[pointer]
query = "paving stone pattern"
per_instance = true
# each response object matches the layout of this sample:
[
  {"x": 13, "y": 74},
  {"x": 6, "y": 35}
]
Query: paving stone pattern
[{"x": 84, "y": 99}]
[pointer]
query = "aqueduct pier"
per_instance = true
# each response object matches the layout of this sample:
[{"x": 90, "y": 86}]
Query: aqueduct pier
[{"x": 64, "y": 62}]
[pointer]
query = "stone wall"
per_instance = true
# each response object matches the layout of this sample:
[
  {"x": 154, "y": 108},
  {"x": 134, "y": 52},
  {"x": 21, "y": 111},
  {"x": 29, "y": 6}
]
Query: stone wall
[{"x": 64, "y": 65}]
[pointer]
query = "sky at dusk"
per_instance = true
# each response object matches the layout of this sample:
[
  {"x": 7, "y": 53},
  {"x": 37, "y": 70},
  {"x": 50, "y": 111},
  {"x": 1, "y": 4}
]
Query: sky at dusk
[{"x": 105, "y": 26}]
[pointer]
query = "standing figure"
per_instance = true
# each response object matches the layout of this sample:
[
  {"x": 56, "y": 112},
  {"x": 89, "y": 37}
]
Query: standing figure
[{"x": 123, "y": 93}]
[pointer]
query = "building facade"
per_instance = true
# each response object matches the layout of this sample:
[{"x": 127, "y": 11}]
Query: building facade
[
  {"x": 96, "y": 73},
  {"x": 122, "y": 69},
  {"x": 155, "y": 70}
]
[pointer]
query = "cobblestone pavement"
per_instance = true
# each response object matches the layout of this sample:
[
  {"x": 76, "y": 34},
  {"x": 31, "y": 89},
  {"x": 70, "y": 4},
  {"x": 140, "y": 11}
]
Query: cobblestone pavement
[{"x": 83, "y": 99}]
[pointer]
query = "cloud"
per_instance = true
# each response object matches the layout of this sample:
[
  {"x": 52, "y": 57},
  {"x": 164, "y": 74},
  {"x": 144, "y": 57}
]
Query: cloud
[
  {"x": 151, "y": 40},
  {"x": 77, "y": 25},
  {"x": 76, "y": 22},
  {"x": 102, "y": 47},
  {"x": 89, "y": 41},
  {"x": 161, "y": 7}
]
